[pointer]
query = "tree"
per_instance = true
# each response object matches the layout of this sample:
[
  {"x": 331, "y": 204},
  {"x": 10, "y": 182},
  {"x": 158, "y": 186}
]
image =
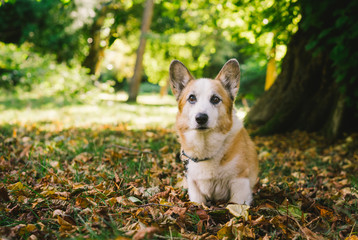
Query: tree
[
  {"x": 96, "y": 52},
  {"x": 317, "y": 88},
  {"x": 48, "y": 24},
  {"x": 136, "y": 79}
]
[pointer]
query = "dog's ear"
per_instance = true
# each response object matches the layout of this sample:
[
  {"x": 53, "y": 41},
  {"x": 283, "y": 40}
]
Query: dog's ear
[
  {"x": 179, "y": 77},
  {"x": 229, "y": 76}
]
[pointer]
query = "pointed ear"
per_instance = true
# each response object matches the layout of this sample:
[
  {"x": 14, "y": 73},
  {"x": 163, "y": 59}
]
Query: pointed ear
[
  {"x": 179, "y": 77},
  {"x": 229, "y": 76}
]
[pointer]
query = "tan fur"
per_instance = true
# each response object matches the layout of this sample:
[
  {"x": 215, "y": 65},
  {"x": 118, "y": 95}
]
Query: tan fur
[
  {"x": 247, "y": 165},
  {"x": 225, "y": 123}
]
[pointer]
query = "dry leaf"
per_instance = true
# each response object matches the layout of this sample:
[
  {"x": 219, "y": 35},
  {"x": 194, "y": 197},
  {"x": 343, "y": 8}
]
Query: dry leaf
[
  {"x": 225, "y": 232},
  {"x": 239, "y": 210},
  {"x": 16, "y": 186},
  {"x": 352, "y": 237},
  {"x": 65, "y": 225},
  {"x": 146, "y": 233}
]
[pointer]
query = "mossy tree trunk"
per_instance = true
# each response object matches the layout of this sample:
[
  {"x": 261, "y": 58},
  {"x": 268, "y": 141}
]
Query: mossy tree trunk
[{"x": 304, "y": 96}]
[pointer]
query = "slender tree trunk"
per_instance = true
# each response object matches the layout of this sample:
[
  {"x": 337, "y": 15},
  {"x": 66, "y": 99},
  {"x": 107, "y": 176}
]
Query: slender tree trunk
[
  {"x": 137, "y": 75},
  {"x": 96, "y": 52},
  {"x": 164, "y": 89},
  {"x": 304, "y": 96}
]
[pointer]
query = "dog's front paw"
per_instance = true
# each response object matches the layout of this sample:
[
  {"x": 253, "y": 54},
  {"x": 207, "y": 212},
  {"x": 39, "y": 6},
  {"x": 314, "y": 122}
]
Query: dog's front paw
[
  {"x": 196, "y": 197},
  {"x": 241, "y": 191},
  {"x": 195, "y": 194}
]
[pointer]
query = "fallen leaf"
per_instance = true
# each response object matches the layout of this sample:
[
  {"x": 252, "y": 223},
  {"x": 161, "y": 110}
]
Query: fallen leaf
[
  {"x": 225, "y": 232},
  {"x": 149, "y": 192},
  {"x": 134, "y": 199},
  {"x": 58, "y": 212},
  {"x": 33, "y": 237},
  {"x": 122, "y": 238},
  {"x": 25, "y": 151},
  {"x": 30, "y": 227},
  {"x": 352, "y": 237},
  {"x": 239, "y": 210},
  {"x": 325, "y": 212},
  {"x": 82, "y": 202},
  {"x": 83, "y": 157},
  {"x": 64, "y": 225},
  {"x": 4, "y": 195},
  {"x": 202, "y": 214},
  {"x": 146, "y": 233},
  {"x": 16, "y": 186}
]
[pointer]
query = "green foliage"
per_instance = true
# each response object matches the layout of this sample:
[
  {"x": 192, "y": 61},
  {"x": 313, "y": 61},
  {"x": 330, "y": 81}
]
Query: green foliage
[
  {"x": 279, "y": 17},
  {"x": 23, "y": 69},
  {"x": 202, "y": 34},
  {"x": 50, "y": 25},
  {"x": 334, "y": 30},
  {"x": 252, "y": 78}
]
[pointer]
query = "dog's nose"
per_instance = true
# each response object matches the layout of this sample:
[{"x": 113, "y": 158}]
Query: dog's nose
[{"x": 201, "y": 118}]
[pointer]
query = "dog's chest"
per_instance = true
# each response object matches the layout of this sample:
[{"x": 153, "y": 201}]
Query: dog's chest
[
  {"x": 212, "y": 180},
  {"x": 211, "y": 169},
  {"x": 204, "y": 145}
]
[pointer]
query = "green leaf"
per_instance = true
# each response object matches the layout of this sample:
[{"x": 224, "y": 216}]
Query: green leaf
[
  {"x": 291, "y": 210},
  {"x": 134, "y": 199}
]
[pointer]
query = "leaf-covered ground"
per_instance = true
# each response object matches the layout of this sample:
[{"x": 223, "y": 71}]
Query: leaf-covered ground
[{"x": 111, "y": 182}]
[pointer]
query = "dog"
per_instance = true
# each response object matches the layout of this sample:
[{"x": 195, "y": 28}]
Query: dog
[{"x": 221, "y": 159}]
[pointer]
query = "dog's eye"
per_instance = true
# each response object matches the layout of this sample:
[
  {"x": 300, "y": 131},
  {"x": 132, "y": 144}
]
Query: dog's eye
[
  {"x": 215, "y": 100},
  {"x": 192, "y": 99}
]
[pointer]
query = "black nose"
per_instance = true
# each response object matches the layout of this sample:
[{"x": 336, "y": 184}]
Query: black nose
[{"x": 201, "y": 118}]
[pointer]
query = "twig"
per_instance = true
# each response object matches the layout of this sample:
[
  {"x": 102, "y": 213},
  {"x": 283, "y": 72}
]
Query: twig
[
  {"x": 312, "y": 221},
  {"x": 130, "y": 149},
  {"x": 306, "y": 232},
  {"x": 171, "y": 237},
  {"x": 155, "y": 204},
  {"x": 350, "y": 234}
]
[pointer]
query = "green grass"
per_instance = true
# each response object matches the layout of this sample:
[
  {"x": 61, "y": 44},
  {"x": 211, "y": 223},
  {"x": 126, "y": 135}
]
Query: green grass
[{"x": 151, "y": 110}]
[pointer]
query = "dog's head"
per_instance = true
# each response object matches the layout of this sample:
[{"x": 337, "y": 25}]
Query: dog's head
[{"x": 205, "y": 104}]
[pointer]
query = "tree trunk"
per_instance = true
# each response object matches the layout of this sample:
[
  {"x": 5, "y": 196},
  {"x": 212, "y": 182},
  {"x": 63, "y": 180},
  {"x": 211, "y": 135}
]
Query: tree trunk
[
  {"x": 96, "y": 52},
  {"x": 164, "y": 89},
  {"x": 304, "y": 96},
  {"x": 137, "y": 75}
]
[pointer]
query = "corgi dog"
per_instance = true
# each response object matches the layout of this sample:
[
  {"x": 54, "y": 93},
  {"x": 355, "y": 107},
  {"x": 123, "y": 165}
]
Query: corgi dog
[{"x": 221, "y": 159}]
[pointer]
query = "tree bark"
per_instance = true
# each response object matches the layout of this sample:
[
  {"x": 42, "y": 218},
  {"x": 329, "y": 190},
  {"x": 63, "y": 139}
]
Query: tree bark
[
  {"x": 304, "y": 96},
  {"x": 137, "y": 75},
  {"x": 96, "y": 52}
]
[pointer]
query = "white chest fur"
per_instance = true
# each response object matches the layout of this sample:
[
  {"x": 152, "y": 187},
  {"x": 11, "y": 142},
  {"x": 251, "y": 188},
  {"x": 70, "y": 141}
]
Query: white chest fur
[{"x": 210, "y": 179}]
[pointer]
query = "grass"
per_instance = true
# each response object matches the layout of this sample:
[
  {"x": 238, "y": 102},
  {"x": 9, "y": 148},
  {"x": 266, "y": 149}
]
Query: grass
[
  {"x": 151, "y": 110},
  {"x": 100, "y": 168}
]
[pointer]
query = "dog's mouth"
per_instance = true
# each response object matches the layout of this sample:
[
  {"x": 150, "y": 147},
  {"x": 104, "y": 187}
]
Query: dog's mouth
[{"x": 202, "y": 128}]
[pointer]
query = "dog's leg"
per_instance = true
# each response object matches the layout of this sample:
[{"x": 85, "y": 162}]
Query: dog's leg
[
  {"x": 241, "y": 192},
  {"x": 194, "y": 192}
]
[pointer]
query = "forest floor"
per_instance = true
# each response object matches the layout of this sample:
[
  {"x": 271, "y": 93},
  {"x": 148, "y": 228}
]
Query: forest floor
[{"x": 67, "y": 177}]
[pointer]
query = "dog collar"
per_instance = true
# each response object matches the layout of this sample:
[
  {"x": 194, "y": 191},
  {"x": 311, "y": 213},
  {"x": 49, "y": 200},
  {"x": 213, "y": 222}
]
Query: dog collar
[{"x": 196, "y": 160}]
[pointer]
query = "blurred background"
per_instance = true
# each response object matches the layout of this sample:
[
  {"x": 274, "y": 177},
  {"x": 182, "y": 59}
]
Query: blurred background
[{"x": 57, "y": 53}]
